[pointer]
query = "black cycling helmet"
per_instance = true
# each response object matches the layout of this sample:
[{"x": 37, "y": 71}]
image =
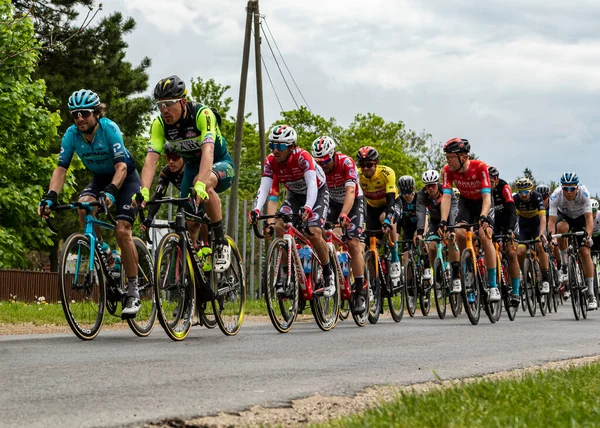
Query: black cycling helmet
[
  {"x": 544, "y": 189},
  {"x": 406, "y": 183},
  {"x": 170, "y": 87},
  {"x": 457, "y": 145},
  {"x": 168, "y": 149},
  {"x": 367, "y": 153},
  {"x": 493, "y": 171}
]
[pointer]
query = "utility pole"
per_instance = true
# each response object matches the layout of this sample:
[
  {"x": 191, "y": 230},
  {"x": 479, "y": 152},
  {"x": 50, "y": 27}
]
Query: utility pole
[
  {"x": 239, "y": 126},
  {"x": 251, "y": 11}
]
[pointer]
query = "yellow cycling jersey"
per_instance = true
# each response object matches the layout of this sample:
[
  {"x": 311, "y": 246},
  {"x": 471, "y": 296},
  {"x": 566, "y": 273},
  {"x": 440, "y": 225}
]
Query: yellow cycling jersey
[{"x": 376, "y": 187}]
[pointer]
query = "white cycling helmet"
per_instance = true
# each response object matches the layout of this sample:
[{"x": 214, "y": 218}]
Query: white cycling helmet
[
  {"x": 595, "y": 204},
  {"x": 323, "y": 147},
  {"x": 430, "y": 177},
  {"x": 283, "y": 134}
]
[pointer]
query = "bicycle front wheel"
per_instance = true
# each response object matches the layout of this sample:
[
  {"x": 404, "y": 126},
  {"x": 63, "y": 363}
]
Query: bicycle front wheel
[
  {"x": 530, "y": 281},
  {"x": 542, "y": 299},
  {"x": 230, "y": 293},
  {"x": 143, "y": 323},
  {"x": 280, "y": 287},
  {"x": 470, "y": 291},
  {"x": 326, "y": 310},
  {"x": 410, "y": 282},
  {"x": 396, "y": 299},
  {"x": 82, "y": 292},
  {"x": 574, "y": 286},
  {"x": 506, "y": 289},
  {"x": 374, "y": 290},
  {"x": 175, "y": 290},
  {"x": 440, "y": 287}
]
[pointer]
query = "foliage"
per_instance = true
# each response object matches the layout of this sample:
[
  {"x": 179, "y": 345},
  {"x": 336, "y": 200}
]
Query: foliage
[{"x": 26, "y": 131}]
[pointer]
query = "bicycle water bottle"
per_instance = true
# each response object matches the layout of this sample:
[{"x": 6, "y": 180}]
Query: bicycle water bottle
[
  {"x": 305, "y": 255},
  {"x": 116, "y": 269},
  {"x": 205, "y": 256},
  {"x": 343, "y": 259},
  {"x": 107, "y": 253}
]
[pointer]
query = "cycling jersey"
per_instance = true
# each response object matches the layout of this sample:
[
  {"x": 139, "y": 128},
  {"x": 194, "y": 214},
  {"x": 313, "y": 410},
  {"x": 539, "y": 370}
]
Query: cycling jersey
[
  {"x": 505, "y": 216},
  {"x": 375, "y": 188},
  {"x": 299, "y": 174},
  {"x": 166, "y": 176},
  {"x": 408, "y": 216},
  {"x": 471, "y": 184},
  {"x": 102, "y": 154},
  {"x": 532, "y": 208},
  {"x": 581, "y": 204},
  {"x": 197, "y": 127},
  {"x": 596, "y": 230},
  {"x": 344, "y": 174},
  {"x": 427, "y": 204}
]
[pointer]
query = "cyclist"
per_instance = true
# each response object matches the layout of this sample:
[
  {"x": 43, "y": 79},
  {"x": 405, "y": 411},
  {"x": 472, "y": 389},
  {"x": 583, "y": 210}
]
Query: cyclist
[
  {"x": 193, "y": 131},
  {"x": 472, "y": 179},
  {"x": 544, "y": 190},
  {"x": 171, "y": 173},
  {"x": 571, "y": 209},
  {"x": 505, "y": 220},
  {"x": 378, "y": 183},
  {"x": 98, "y": 142},
  {"x": 596, "y": 229},
  {"x": 346, "y": 206},
  {"x": 429, "y": 201},
  {"x": 532, "y": 225},
  {"x": 407, "y": 206},
  {"x": 307, "y": 193}
]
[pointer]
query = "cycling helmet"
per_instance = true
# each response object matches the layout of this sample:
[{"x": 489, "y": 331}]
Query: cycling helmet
[
  {"x": 168, "y": 149},
  {"x": 170, "y": 87},
  {"x": 283, "y": 134},
  {"x": 367, "y": 153},
  {"x": 493, "y": 171},
  {"x": 569, "y": 178},
  {"x": 457, "y": 145},
  {"x": 83, "y": 99},
  {"x": 595, "y": 204},
  {"x": 524, "y": 184},
  {"x": 543, "y": 189},
  {"x": 406, "y": 183},
  {"x": 323, "y": 147},
  {"x": 430, "y": 177}
]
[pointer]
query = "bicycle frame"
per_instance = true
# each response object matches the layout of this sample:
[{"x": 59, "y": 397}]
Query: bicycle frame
[
  {"x": 345, "y": 286},
  {"x": 292, "y": 235}
]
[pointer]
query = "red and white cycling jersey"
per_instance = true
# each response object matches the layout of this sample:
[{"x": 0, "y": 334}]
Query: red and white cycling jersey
[
  {"x": 291, "y": 172},
  {"x": 344, "y": 174},
  {"x": 472, "y": 183}
]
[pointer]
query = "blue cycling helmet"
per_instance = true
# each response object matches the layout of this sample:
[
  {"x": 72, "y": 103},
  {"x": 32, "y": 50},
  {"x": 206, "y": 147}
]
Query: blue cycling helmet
[
  {"x": 83, "y": 98},
  {"x": 569, "y": 178}
]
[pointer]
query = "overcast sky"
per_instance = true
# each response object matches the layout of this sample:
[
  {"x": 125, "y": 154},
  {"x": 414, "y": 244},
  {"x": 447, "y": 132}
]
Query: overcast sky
[{"x": 519, "y": 78}]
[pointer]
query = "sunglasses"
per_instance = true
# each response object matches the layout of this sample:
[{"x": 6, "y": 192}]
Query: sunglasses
[
  {"x": 85, "y": 113},
  {"x": 524, "y": 192},
  {"x": 279, "y": 146},
  {"x": 366, "y": 164},
  {"x": 569, "y": 188},
  {"x": 166, "y": 103},
  {"x": 407, "y": 192},
  {"x": 324, "y": 161},
  {"x": 431, "y": 185},
  {"x": 173, "y": 157}
]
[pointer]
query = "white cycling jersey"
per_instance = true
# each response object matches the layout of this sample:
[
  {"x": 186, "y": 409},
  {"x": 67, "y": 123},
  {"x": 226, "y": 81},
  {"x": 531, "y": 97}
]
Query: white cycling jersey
[
  {"x": 573, "y": 209},
  {"x": 596, "y": 230}
]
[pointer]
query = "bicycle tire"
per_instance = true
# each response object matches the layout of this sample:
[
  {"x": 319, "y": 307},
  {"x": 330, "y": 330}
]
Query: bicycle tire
[
  {"x": 574, "y": 286},
  {"x": 282, "y": 309},
  {"x": 143, "y": 323},
  {"x": 424, "y": 298},
  {"x": 530, "y": 285},
  {"x": 207, "y": 319},
  {"x": 470, "y": 285},
  {"x": 83, "y": 302},
  {"x": 361, "y": 319},
  {"x": 506, "y": 288},
  {"x": 455, "y": 303},
  {"x": 229, "y": 289},
  {"x": 410, "y": 285},
  {"x": 396, "y": 299},
  {"x": 491, "y": 309},
  {"x": 596, "y": 289},
  {"x": 344, "y": 309},
  {"x": 555, "y": 287},
  {"x": 326, "y": 310},
  {"x": 542, "y": 299},
  {"x": 583, "y": 296},
  {"x": 374, "y": 289},
  {"x": 440, "y": 288},
  {"x": 175, "y": 293}
]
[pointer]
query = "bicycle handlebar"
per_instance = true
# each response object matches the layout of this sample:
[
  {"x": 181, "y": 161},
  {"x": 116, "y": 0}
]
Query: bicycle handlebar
[
  {"x": 82, "y": 205},
  {"x": 287, "y": 218}
]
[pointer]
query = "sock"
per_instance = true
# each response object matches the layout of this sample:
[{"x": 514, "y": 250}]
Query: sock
[
  {"x": 217, "y": 229},
  {"x": 455, "y": 270},
  {"x": 395, "y": 253},
  {"x": 515, "y": 285},
  {"x": 563, "y": 257},
  {"x": 359, "y": 284},
  {"x": 590, "y": 285},
  {"x": 132, "y": 286},
  {"x": 327, "y": 269},
  {"x": 492, "y": 277},
  {"x": 544, "y": 275}
]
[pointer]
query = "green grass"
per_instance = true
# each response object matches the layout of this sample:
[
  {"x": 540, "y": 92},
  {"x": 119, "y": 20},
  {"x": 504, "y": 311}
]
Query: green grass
[{"x": 561, "y": 398}]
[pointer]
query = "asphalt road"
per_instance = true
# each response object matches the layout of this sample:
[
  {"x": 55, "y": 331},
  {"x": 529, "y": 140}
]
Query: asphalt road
[{"x": 117, "y": 379}]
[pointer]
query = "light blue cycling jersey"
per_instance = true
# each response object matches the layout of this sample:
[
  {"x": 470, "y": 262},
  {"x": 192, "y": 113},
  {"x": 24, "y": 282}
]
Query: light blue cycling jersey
[{"x": 102, "y": 154}]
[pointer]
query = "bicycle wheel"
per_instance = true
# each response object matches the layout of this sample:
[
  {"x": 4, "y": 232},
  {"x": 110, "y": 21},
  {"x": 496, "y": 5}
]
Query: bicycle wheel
[
  {"x": 344, "y": 309},
  {"x": 424, "y": 292},
  {"x": 492, "y": 309},
  {"x": 410, "y": 285},
  {"x": 82, "y": 292},
  {"x": 396, "y": 299},
  {"x": 175, "y": 292},
  {"x": 143, "y": 323},
  {"x": 206, "y": 315},
  {"x": 440, "y": 287},
  {"x": 282, "y": 307},
  {"x": 374, "y": 289},
  {"x": 229, "y": 288},
  {"x": 554, "y": 287},
  {"x": 326, "y": 310},
  {"x": 455, "y": 303},
  {"x": 583, "y": 294},
  {"x": 361, "y": 319},
  {"x": 542, "y": 299},
  {"x": 574, "y": 286},
  {"x": 506, "y": 288},
  {"x": 529, "y": 286},
  {"x": 470, "y": 290},
  {"x": 596, "y": 289}
]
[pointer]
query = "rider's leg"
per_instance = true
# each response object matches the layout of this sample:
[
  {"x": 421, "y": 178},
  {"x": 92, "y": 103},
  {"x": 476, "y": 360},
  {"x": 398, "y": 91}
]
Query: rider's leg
[
  {"x": 489, "y": 255},
  {"x": 543, "y": 256},
  {"x": 513, "y": 266}
]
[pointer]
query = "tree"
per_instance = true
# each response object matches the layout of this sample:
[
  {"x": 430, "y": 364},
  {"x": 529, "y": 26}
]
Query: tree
[
  {"x": 527, "y": 173},
  {"x": 26, "y": 131}
]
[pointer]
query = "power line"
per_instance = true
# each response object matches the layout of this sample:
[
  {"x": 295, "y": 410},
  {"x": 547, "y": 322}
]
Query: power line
[
  {"x": 286, "y": 66},
  {"x": 276, "y": 62},
  {"x": 269, "y": 77}
]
